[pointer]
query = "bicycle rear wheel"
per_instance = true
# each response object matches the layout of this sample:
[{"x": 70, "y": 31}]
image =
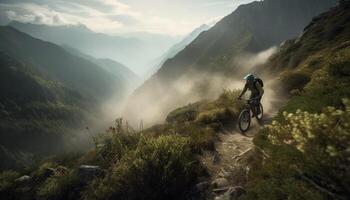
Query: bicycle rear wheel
[{"x": 244, "y": 120}]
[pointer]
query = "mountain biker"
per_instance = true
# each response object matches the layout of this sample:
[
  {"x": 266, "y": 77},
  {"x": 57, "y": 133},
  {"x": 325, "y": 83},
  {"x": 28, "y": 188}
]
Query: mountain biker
[{"x": 255, "y": 86}]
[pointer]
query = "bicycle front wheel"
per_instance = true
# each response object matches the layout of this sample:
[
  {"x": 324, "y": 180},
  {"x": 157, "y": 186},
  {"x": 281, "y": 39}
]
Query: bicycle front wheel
[{"x": 244, "y": 120}]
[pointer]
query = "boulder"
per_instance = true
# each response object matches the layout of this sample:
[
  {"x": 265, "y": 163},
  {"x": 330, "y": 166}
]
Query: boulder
[
  {"x": 88, "y": 172},
  {"x": 23, "y": 179}
]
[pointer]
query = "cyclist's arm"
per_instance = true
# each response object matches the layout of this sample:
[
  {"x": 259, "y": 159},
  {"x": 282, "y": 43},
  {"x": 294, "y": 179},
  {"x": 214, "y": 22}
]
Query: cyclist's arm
[{"x": 244, "y": 90}]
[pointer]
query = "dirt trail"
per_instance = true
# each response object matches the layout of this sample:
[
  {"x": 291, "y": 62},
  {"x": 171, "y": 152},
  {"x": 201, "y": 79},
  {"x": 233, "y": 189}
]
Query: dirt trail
[
  {"x": 228, "y": 167},
  {"x": 229, "y": 151}
]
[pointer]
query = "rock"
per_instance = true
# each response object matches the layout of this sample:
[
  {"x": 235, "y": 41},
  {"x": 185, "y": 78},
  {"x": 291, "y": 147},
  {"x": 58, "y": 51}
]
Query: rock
[
  {"x": 202, "y": 186},
  {"x": 220, "y": 183},
  {"x": 23, "y": 179},
  {"x": 87, "y": 173}
]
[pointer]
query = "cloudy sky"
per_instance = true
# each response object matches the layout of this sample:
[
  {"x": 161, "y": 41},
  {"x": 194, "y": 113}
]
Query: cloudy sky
[{"x": 170, "y": 17}]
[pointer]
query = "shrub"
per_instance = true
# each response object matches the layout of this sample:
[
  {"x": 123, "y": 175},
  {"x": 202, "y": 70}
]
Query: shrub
[
  {"x": 306, "y": 150},
  {"x": 159, "y": 168},
  {"x": 59, "y": 187},
  {"x": 7, "y": 179},
  {"x": 218, "y": 115},
  {"x": 184, "y": 114}
]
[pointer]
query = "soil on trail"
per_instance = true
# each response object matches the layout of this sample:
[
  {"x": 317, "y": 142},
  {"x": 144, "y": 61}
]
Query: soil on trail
[
  {"x": 231, "y": 149},
  {"x": 228, "y": 166}
]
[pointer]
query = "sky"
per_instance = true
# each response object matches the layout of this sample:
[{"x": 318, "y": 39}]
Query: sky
[{"x": 115, "y": 17}]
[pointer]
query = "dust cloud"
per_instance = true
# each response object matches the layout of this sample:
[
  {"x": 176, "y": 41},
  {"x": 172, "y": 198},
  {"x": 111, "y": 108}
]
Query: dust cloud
[{"x": 154, "y": 102}]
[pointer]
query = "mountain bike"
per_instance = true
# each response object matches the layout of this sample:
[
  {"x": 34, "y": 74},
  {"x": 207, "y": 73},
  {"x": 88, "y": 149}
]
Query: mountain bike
[{"x": 245, "y": 116}]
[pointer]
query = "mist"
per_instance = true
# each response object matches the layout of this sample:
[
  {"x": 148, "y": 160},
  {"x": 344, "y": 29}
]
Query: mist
[{"x": 153, "y": 105}]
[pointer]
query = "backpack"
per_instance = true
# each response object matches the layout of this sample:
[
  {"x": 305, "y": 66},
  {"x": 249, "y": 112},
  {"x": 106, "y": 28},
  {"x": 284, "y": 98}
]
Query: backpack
[{"x": 258, "y": 80}]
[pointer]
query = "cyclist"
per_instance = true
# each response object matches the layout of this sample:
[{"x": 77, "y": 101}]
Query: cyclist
[{"x": 255, "y": 86}]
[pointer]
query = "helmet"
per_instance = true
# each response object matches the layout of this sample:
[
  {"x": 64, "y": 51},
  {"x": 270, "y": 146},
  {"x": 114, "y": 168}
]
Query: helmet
[{"x": 249, "y": 77}]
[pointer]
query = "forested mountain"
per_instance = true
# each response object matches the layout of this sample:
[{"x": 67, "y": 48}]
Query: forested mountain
[
  {"x": 59, "y": 65},
  {"x": 46, "y": 92},
  {"x": 252, "y": 28},
  {"x": 36, "y": 113}
]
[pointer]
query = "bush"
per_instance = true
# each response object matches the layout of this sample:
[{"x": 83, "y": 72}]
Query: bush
[
  {"x": 305, "y": 150},
  {"x": 7, "y": 180},
  {"x": 159, "y": 168},
  {"x": 60, "y": 187},
  {"x": 184, "y": 114}
]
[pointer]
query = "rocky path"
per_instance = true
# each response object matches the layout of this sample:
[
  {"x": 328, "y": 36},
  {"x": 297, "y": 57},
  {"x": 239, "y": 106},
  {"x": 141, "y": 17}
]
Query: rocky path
[{"x": 228, "y": 167}]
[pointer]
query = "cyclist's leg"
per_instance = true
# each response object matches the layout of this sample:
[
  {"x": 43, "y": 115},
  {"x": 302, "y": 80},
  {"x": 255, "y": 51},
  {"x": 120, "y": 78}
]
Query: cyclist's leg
[
  {"x": 253, "y": 105},
  {"x": 258, "y": 101}
]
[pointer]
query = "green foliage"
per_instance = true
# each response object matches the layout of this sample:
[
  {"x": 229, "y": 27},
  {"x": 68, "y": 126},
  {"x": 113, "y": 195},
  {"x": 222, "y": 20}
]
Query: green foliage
[
  {"x": 200, "y": 121},
  {"x": 213, "y": 116},
  {"x": 158, "y": 168},
  {"x": 329, "y": 84},
  {"x": 59, "y": 187},
  {"x": 305, "y": 150},
  {"x": 7, "y": 180},
  {"x": 187, "y": 113}
]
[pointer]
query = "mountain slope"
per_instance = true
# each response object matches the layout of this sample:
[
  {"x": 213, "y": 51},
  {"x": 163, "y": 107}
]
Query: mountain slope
[
  {"x": 307, "y": 146},
  {"x": 134, "y": 50},
  {"x": 120, "y": 71},
  {"x": 178, "y": 47},
  {"x": 57, "y": 64},
  {"x": 48, "y": 94},
  {"x": 36, "y": 113},
  {"x": 252, "y": 28}
]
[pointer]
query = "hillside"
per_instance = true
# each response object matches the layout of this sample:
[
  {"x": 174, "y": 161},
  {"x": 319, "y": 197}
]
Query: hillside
[
  {"x": 59, "y": 65},
  {"x": 36, "y": 113},
  {"x": 175, "y": 49},
  {"x": 249, "y": 30},
  {"x": 306, "y": 148},
  {"x": 120, "y": 71},
  {"x": 48, "y": 94}
]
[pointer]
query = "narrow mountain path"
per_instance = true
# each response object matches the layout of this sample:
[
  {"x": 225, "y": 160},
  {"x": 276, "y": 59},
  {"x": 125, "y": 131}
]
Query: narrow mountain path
[{"x": 228, "y": 167}]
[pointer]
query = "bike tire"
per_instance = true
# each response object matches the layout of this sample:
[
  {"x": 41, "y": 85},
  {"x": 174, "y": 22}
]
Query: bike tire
[
  {"x": 261, "y": 115},
  {"x": 244, "y": 115}
]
